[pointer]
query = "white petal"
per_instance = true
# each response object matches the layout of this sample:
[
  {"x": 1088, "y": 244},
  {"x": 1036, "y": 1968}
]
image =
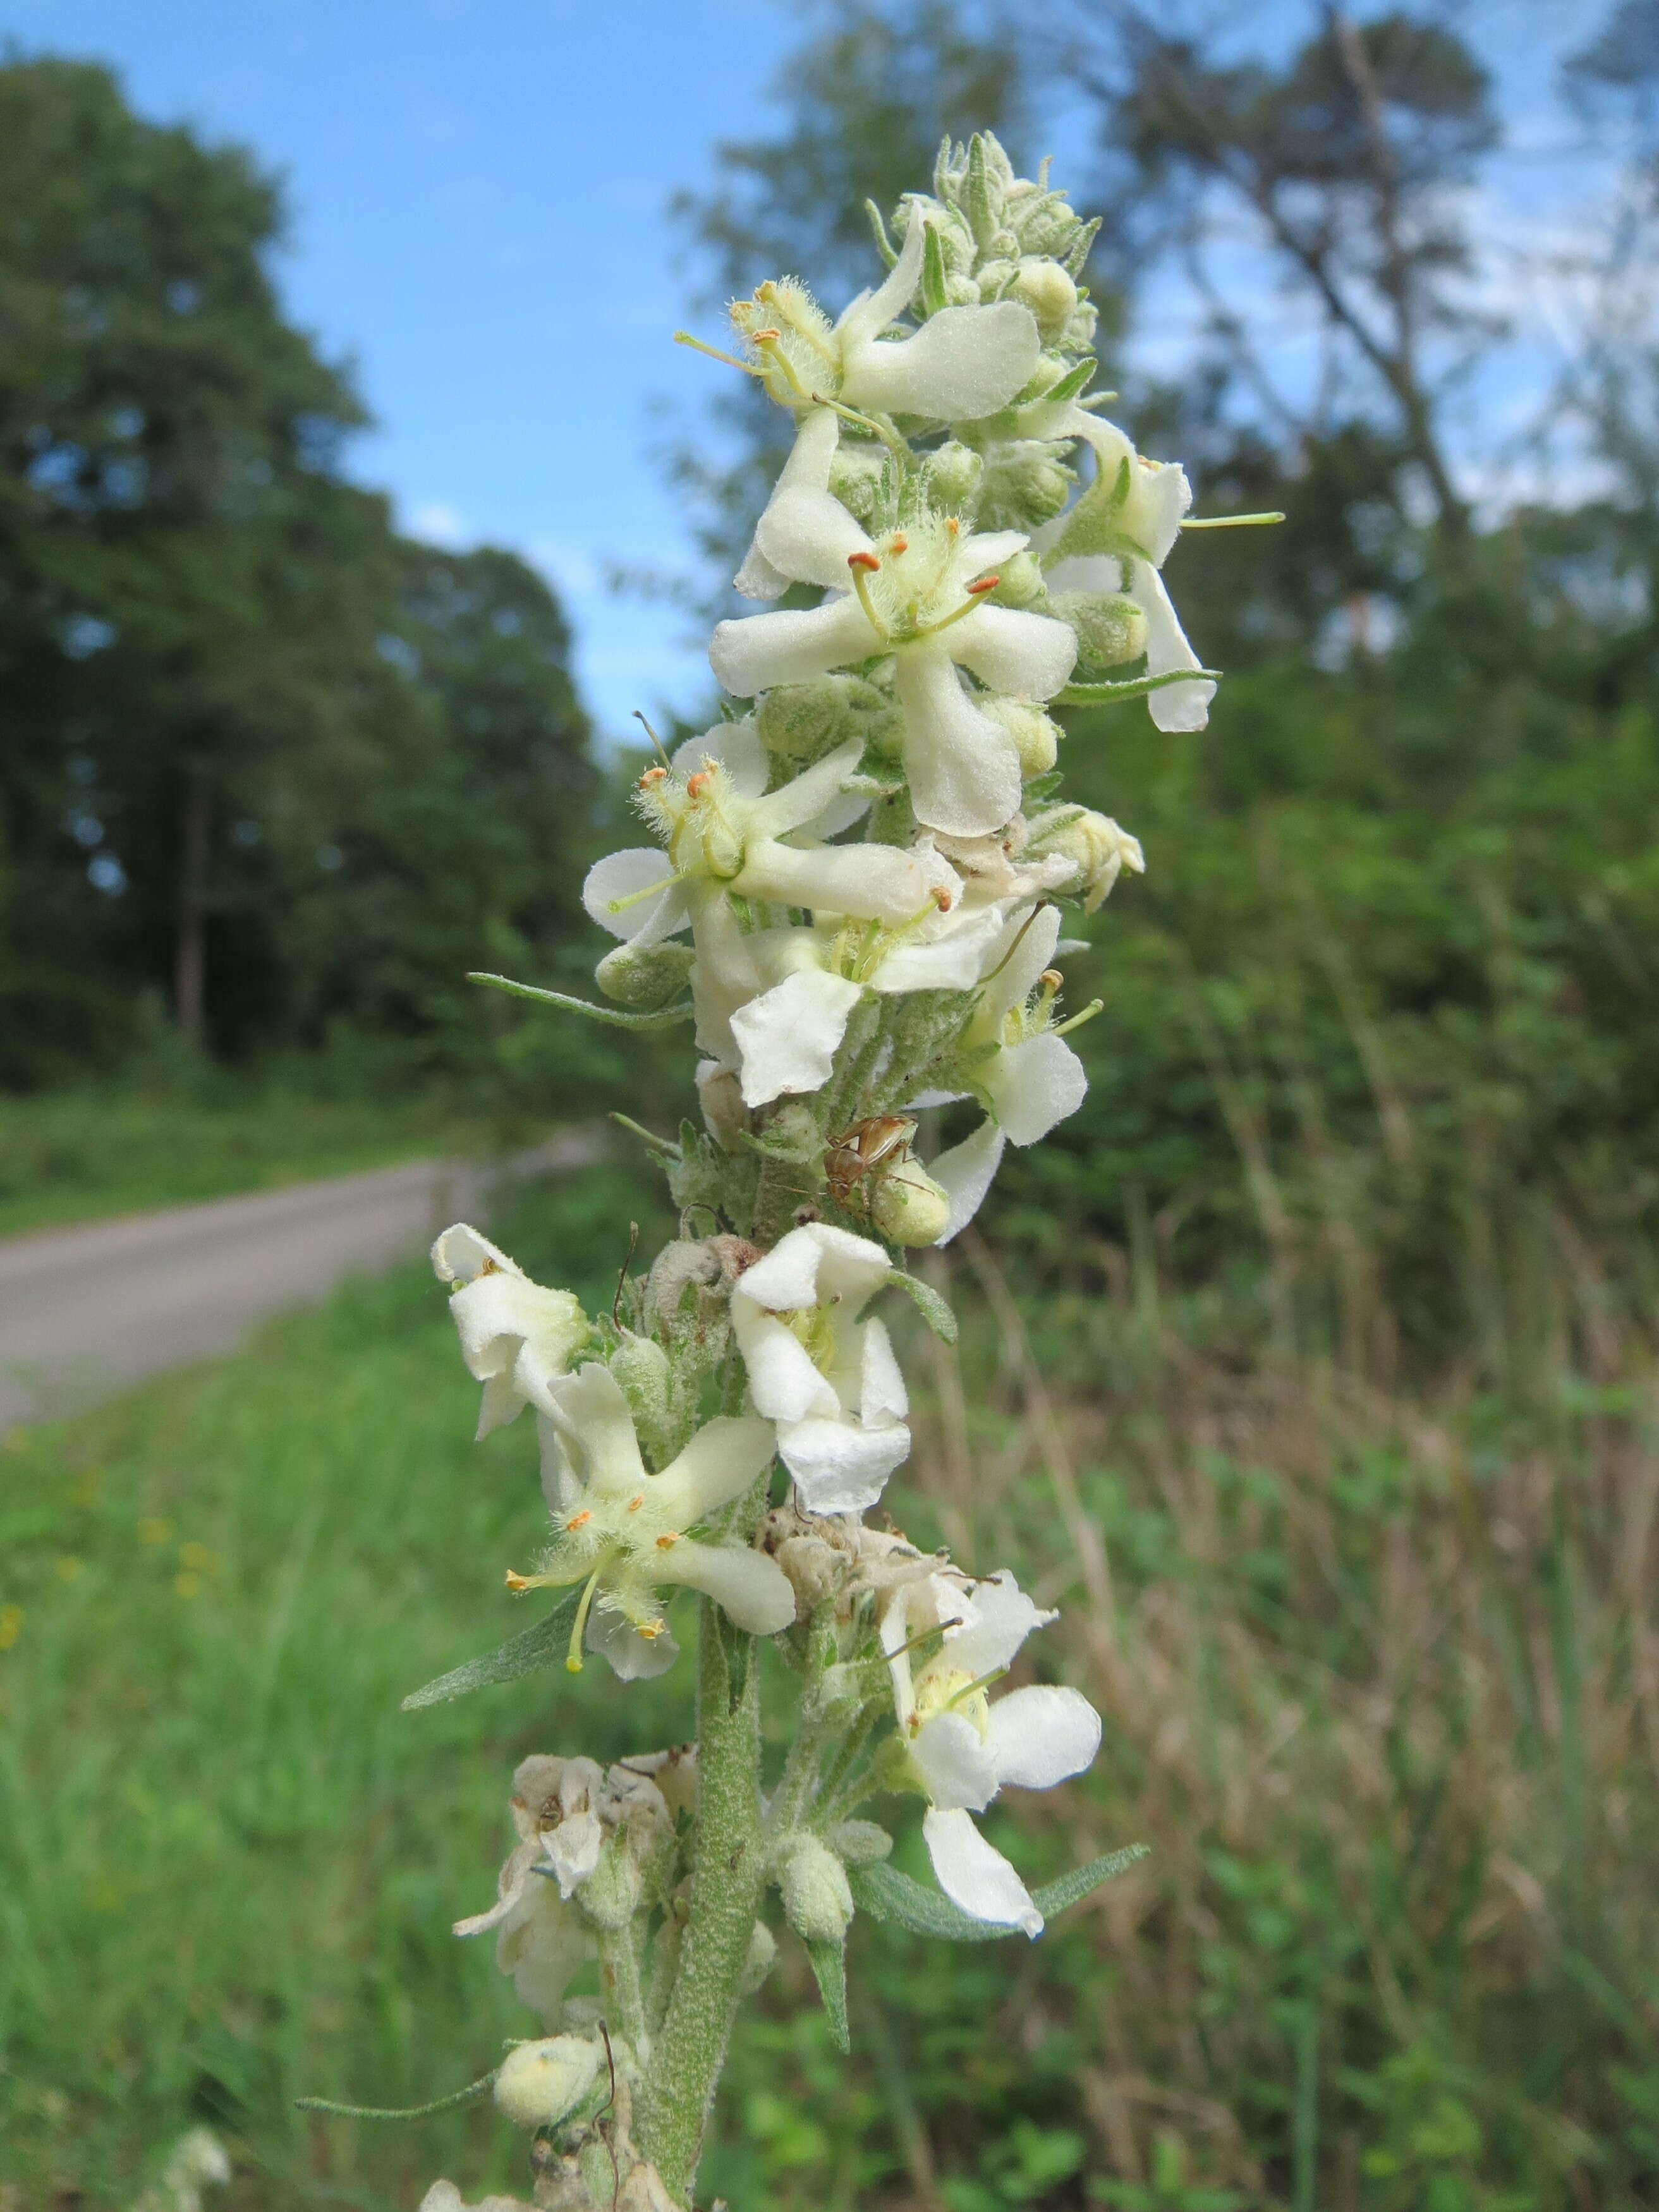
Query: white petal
[
  {"x": 997, "y": 1617},
  {"x": 1159, "y": 494},
  {"x": 783, "y": 1383},
  {"x": 633, "y": 1657},
  {"x": 815, "y": 1263},
  {"x": 719, "y": 1464},
  {"x": 807, "y": 468},
  {"x": 963, "y": 768},
  {"x": 1086, "y": 572},
  {"x": 619, "y": 876},
  {"x": 757, "y": 579},
  {"x": 868, "y": 316},
  {"x": 963, "y": 362},
  {"x": 882, "y": 1394},
  {"x": 573, "y": 1849},
  {"x": 1177, "y": 706},
  {"x": 966, "y": 1172},
  {"x": 808, "y": 536},
  {"x": 757, "y": 651},
  {"x": 597, "y": 1428},
  {"x": 1039, "y": 1736},
  {"x": 753, "y": 1588},
  {"x": 1027, "y": 950},
  {"x": 1034, "y": 1086},
  {"x": 510, "y": 1886},
  {"x": 735, "y": 746},
  {"x": 461, "y": 1252},
  {"x": 1028, "y": 656},
  {"x": 839, "y": 1466},
  {"x": 952, "y": 961},
  {"x": 974, "y": 1876},
  {"x": 879, "y": 883},
  {"x": 805, "y": 796},
  {"x": 955, "y": 1763},
  {"x": 788, "y": 1036}
]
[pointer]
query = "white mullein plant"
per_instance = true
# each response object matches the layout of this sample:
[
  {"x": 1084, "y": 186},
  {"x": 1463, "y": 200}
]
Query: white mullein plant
[{"x": 855, "y": 892}]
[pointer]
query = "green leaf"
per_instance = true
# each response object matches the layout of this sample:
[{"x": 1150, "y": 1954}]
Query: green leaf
[
  {"x": 470, "y": 2095},
  {"x": 538, "y": 1647},
  {"x": 1075, "y": 380},
  {"x": 935, "y": 1309},
  {"x": 1135, "y": 687},
  {"x": 886, "y": 1894},
  {"x": 1071, "y": 1888},
  {"x": 1041, "y": 787},
  {"x": 878, "y": 231},
  {"x": 618, "y": 1017},
  {"x": 933, "y": 293},
  {"x": 829, "y": 1965}
]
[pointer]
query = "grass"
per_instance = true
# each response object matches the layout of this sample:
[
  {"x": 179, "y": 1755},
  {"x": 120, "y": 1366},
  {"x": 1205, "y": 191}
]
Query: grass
[{"x": 1381, "y": 1679}]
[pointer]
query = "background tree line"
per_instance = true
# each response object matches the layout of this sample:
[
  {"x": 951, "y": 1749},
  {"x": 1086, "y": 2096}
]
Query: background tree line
[{"x": 267, "y": 766}]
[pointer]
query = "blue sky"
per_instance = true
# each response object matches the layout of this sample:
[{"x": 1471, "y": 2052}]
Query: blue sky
[{"x": 477, "y": 190}]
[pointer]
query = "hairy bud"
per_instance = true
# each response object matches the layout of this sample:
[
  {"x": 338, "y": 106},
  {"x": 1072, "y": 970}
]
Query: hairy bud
[
  {"x": 541, "y": 2083},
  {"x": 860, "y": 1843},
  {"x": 951, "y": 476},
  {"x": 801, "y": 722},
  {"x": 720, "y": 1097},
  {"x": 908, "y": 1207},
  {"x": 1044, "y": 288},
  {"x": 1026, "y": 480},
  {"x": 644, "y": 976},
  {"x": 1036, "y": 737},
  {"x": 1019, "y": 581},
  {"x": 1098, "y": 850},
  {"x": 1110, "y": 628},
  {"x": 610, "y": 1895},
  {"x": 762, "y": 1951},
  {"x": 817, "y": 1901}
]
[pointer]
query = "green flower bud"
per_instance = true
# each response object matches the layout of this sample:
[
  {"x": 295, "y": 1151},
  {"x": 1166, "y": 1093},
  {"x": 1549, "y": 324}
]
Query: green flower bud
[
  {"x": 908, "y": 1207},
  {"x": 860, "y": 1843},
  {"x": 1036, "y": 737},
  {"x": 644, "y": 975},
  {"x": 951, "y": 476},
  {"x": 1110, "y": 628},
  {"x": 996, "y": 275},
  {"x": 1026, "y": 480},
  {"x": 762, "y": 1951},
  {"x": 1098, "y": 850},
  {"x": 817, "y": 1901},
  {"x": 1044, "y": 288},
  {"x": 1052, "y": 229},
  {"x": 540, "y": 2083},
  {"x": 610, "y": 1895},
  {"x": 1019, "y": 581},
  {"x": 1078, "y": 335},
  {"x": 801, "y": 722},
  {"x": 648, "y": 1383},
  {"x": 856, "y": 479}
]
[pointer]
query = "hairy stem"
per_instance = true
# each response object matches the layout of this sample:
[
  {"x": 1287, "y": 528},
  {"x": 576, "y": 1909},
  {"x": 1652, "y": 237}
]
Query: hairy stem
[
  {"x": 728, "y": 1871},
  {"x": 619, "y": 1970}
]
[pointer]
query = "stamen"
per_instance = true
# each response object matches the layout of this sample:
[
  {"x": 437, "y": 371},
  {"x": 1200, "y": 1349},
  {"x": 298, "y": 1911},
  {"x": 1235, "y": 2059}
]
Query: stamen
[
  {"x": 667, "y": 1543},
  {"x": 1061, "y": 1029},
  {"x": 968, "y": 607},
  {"x": 652, "y": 776},
  {"x": 686, "y": 339},
  {"x": 697, "y": 784},
  {"x": 952, "y": 524},
  {"x": 572, "y": 1661},
  {"x": 1230, "y": 522},
  {"x": 861, "y": 567},
  {"x": 518, "y": 1583},
  {"x": 1018, "y": 942},
  {"x": 633, "y": 898},
  {"x": 973, "y": 1689},
  {"x": 1051, "y": 979},
  {"x": 581, "y": 1520},
  {"x": 984, "y": 584},
  {"x": 899, "y": 545},
  {"x": 777, "y": 358},
  {"x": 634, "y": 1504},
  {"x": 655, "y": 738}
]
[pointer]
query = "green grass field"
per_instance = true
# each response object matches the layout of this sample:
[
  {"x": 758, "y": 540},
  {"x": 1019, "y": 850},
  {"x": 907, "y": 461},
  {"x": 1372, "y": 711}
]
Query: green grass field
[{"x": 1382, "y": 1690}]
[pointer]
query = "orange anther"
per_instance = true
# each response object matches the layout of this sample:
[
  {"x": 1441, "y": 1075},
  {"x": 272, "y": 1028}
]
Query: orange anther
[
  {"x": 517, "y": 1581},
  {"x": 653, "y": 775},
  {"x": 651, "y": 1630},
  {"x": 863, "y": 561},
  {"x": 942, "y": 899},
  {"x": 694, "y": 784},
  {"x": 1051, "y": 977},
  {"x": 667, "y": 1543},
  {"x": 579, "y": 1520},
  {"x": 985, "y": 584},
  {"x": 952, "y": 524},
  {"x": 634, "y": 1504},
  {"x": 900, "y": 545},
  {"x": 767, "y": 337}
]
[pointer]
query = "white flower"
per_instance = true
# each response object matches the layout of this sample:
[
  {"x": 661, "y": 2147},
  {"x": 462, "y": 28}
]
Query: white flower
[
  {"x": 964, "y": 362},
  {"x": 917, "y": 594},
  {"x": 829, "y": 1381},
  {"x": 1031, "y": 1076},
  {"x": 541, "y": 1941},
  {"x": 622, "y": 1532},
  {"x": 1117, "y": 538},
  {"x": 725, "y": 833},
  {"x": 515, "y": 1336},
  {"x": 962, "y": 1746}
]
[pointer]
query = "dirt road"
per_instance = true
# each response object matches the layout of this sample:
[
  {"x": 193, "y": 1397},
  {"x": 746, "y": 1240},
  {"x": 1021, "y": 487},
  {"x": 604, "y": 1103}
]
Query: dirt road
[{"x": 84, "y": 1311}]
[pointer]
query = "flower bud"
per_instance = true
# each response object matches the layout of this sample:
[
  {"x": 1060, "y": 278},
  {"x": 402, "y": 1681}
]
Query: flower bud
[
  {"x": 720, "y": 1097},
  {"x": 1110, "y": 628},
  {"x": 1099, "y": 852},
  {"x": 817, "y": 1901},
  {"x": 1026, "y": 480},
  {"x": 763, "y": 1950},
  {"x": 610, "y": 1895},
  {"x": 1036, "y": 737},
  {"x": 540, "y": 2083},
  {"x": 908, "y": 1207},
  {"x": 855, "y": 475},
  {"x": 1044, "y": 288},
  {"x": 951, "y": 476},
  {"x": 801, "y": 722},
  {"x": 1019, "y": 581},
  {"x": 641, "y": 1367},
  {"x": 644, "y": 975},
  {"x": 860, "y": 1843}
]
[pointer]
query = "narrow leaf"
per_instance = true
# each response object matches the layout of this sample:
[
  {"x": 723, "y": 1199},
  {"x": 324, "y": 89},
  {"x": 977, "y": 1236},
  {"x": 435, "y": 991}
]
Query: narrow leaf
[
  {"x": 1042, "y": 786},
  {"x": 1071, "y": 1888},
  {"x": 935, "y": 1309},
  {"x": 538, "y": 1647},
  {"x": 470, "y": 2095},
  {"x": 1136, "y": 687},
  {"x": 878, "y": 231},
  {"x": 618, "y": 1017},
  {"x": 1075, "y": 381},
  {"x": 829, "y": 1965},
  {"x": 933, "y": 293}
]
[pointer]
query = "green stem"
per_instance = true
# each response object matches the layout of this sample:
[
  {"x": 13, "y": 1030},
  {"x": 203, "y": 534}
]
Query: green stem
[
  {"x": 619, "y": 1970},
  {"x": 728, "y": 1876}
]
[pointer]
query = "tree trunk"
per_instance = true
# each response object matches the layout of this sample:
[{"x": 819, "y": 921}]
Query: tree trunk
[{"x": 190, "y": 948}]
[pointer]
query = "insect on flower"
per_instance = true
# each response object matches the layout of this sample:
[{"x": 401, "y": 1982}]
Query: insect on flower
[{"x": 868, "y": 1148}]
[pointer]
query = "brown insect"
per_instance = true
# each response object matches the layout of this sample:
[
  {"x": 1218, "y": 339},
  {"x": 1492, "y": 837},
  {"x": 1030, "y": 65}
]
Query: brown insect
[{"x": 867, "y": 1148}]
